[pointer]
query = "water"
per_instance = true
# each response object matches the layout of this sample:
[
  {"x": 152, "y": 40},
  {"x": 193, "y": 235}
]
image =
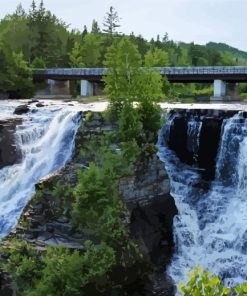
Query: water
[
  {"x": 211, "y": 227},
  {"x": 46, "y": 140}
]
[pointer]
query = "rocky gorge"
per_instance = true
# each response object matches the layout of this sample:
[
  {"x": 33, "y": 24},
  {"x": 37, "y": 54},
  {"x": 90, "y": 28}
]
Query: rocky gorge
[{"x": 46, "y": 219}]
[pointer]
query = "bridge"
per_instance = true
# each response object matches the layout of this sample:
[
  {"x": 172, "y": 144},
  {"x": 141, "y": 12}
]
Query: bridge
[{"x": 220, "y": 76}]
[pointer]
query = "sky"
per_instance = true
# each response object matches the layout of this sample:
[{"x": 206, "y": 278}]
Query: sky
[{"x": 200, "y": 21}]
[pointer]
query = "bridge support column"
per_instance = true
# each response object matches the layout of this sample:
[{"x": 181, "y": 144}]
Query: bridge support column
[
  {"x": 86, "y": 88},
  {"x": 225, "y": 91},
  {"x": 51, "y": 89},
  {"x": 219, "y": 91},
  {"x": 232, "y": 92},
  {"x": 59, "y": 87}
]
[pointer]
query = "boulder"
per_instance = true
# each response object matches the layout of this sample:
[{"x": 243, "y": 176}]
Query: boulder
[
  {"x": 22, "y": 109},
  {"x": 40, "y": 105}
]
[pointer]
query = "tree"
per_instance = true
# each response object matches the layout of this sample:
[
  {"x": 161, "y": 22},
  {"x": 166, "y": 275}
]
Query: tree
[
  {"x": 75, "y": 57},
  {"x": 15, "y": 75},
  {"x": 95, "y": 27},
  {"x": 48, "y": 35},
  {"x": 90, "y": 50},
  {"x": 111, "y": 22},
  {"x": 127, "y": 82},
  {"x": 156, "y": 58},
  {"x": 123, "y": 62}
]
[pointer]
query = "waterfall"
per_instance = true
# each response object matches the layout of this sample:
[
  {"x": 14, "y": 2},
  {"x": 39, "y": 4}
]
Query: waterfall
[
  {"x": 193, "y": 136},
  {"x": 211, "y": 227},
  {"x": 45, "y": 140}
]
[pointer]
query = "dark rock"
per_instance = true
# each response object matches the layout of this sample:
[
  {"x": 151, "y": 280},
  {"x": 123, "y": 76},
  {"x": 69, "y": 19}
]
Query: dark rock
[
  {"x": 152, "y": 208},
  {"x": 33, "y": 101},
  {"x": 9, "y": 153},
  {"x": 22, "y": 109},
  {"x": 40, "y": 105}
]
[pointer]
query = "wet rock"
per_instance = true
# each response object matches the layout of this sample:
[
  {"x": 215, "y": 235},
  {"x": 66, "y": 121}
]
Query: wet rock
[
  {"x": 9, "y": 153},
  {"x": 22, "y": 109},
  {"x": 40, "y": 105}
]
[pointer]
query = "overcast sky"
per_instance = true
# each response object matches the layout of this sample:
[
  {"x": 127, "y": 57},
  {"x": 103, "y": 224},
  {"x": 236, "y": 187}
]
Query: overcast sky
[{"x": 200, "y": 21}]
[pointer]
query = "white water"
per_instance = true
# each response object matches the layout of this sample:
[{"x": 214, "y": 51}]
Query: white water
[
  {"x": 211, "y": 227},
  {"x": 46, "y": 141}
]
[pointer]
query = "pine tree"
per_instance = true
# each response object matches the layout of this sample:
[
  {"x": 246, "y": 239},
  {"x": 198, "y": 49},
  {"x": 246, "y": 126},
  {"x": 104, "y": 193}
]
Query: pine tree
[
  {"x": 111, "y": 22},
  {"x": 95, "y": 27}
]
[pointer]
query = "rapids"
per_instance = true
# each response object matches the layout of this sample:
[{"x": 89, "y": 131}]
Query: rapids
[{"x": 211, "y": 226}]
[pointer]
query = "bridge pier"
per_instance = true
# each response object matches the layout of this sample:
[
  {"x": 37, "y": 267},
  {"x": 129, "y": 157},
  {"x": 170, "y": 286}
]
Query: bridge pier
[
  {"x": 59, "y": 87},
  {"x": 87, "y": 88},
  {"x": 50, "y": 88},
  {"x": 225, "y": 91},
  {"x": 219, "y": 91}
]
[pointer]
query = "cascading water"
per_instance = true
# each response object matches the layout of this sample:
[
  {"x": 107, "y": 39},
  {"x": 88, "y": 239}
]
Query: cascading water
[
  {"x": 211, "y": 227},
  {"x": 46, "y": 140}
]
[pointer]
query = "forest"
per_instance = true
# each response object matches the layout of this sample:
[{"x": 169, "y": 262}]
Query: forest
[{"x": 37, "y": 38}]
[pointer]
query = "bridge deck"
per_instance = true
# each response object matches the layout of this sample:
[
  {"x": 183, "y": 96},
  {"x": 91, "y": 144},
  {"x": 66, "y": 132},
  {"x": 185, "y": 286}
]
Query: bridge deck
[{"x": 173, "y": 74}]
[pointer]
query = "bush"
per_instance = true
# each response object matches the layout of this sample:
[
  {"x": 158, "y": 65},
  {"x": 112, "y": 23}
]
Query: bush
[{"x": 204, "y": 283}]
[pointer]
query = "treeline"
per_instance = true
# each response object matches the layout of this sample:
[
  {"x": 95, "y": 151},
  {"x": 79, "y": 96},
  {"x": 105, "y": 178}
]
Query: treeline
[
  {"x": 46, "y": 41},
  {"x": 40, "y": 39}
]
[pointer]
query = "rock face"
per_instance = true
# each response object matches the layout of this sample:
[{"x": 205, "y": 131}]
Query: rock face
[
  {"x": 147, "y": 196},
  {"x": 9, "y": 153}
]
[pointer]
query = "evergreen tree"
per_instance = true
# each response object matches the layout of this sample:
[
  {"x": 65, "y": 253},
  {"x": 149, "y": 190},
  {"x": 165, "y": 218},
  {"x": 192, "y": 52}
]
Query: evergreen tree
[
  {"x": 84, "y": 32},
  {"x": 111, "y": 22},
  {"x": 95, "y": 27},
  {"x": 90, "y": 50}
]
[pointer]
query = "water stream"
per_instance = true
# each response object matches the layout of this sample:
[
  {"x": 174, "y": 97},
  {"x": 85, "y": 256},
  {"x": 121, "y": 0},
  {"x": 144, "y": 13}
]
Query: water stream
[
  {"x": 46, "y": 141},
  {"x": 211, "y": 227}
]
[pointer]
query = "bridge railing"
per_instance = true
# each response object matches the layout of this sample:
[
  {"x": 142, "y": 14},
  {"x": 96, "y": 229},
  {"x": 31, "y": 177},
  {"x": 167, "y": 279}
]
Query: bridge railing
[{"x": 162, "y": 70}]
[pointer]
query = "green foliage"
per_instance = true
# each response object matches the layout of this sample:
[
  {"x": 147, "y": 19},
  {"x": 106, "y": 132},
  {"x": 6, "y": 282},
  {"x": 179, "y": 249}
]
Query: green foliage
[
  {"x": 93, "y": 193},
  {"x": 58, "y": 271},
  {"x": 203, "y": 283},
  {"x": 241, "y": 290},
  {"x": 38, "y": 63},
  {"x": 24, "y": 265},
  {"x": 130, "y": 126},
  {"x": 208, "y": 91},
  {"x": 75, "y": 57},
  {"x": 91, "y": 50},
  {"x": 156, "y": 58},
  {"x": 122, "y": 80},
  {"x": 68, "y": 274},
  {"x": 126, "y": 83},
  {"x": 15, "y": 75},
  {"x": 95, "y": 27}
]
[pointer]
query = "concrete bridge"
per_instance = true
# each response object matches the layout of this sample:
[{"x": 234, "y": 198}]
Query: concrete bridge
[{"x": 224, "y": 78}]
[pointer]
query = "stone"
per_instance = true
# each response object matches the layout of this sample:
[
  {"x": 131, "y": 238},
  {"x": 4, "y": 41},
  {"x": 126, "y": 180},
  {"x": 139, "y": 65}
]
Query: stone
[
  {"x": 9, "y": 153},
  {"x": 40, "y": 105},
  {"x": 22, "y": 109}
]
